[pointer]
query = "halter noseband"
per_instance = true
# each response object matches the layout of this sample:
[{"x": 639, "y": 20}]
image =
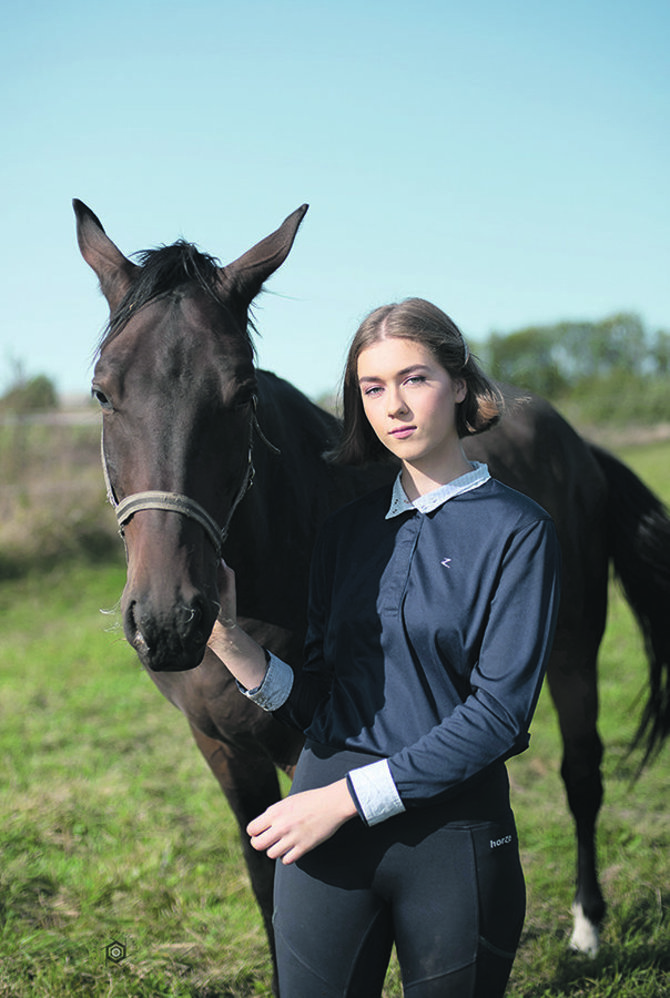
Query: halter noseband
[{"x": 175, "y": 502}]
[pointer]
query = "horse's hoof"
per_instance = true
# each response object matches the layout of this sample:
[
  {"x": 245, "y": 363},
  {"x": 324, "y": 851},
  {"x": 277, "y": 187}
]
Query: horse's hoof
[{"x": 585, "y": 936}]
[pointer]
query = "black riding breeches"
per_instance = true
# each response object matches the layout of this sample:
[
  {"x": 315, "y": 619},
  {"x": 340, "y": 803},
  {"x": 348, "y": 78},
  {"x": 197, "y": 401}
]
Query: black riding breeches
[{"x": 444, "y": 883}]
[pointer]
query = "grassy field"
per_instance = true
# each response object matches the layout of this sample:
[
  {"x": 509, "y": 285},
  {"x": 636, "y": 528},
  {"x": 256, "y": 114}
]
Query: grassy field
[{"x": 113, "y": 830}]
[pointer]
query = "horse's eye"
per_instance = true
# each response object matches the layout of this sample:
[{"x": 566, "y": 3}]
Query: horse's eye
[
  {"x": 244, "y": 397},
  {"x": 101, "y": 398}
]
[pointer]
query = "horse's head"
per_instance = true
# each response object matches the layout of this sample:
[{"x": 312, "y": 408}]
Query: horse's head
[{"x": 175, "y": 380}]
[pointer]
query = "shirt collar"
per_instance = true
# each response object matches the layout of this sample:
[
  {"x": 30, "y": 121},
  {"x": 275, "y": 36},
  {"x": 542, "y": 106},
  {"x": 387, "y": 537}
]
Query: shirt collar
[{"x": 427, "y": 503}]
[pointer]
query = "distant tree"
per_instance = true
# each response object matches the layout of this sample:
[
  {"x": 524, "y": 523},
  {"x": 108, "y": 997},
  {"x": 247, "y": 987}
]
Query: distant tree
[
  {"x": 617, "y": 343},
  {"x": 526, "y": 358},
  {"x": 552, "y": 360},
  {"x": 660, "y": 352},
  {"x": 37, "y": 394}
]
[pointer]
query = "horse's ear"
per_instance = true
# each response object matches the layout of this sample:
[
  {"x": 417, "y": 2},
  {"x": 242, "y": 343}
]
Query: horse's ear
[
  {"x": 245, "y": 276},
  {"x": 115, "y": 272}
]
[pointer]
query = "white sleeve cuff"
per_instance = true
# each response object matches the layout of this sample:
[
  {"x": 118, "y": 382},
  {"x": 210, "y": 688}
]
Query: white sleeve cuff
[
  {"x": 376, "y": 794},
  {"x": 276, "y": 686}
]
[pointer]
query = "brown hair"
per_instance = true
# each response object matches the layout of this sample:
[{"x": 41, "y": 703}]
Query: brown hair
[{"x": 419, "y": 320}]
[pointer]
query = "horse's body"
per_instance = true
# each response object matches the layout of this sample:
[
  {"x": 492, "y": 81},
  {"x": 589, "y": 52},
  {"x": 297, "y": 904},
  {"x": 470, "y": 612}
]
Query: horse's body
[{"x": 181, "y": 402}]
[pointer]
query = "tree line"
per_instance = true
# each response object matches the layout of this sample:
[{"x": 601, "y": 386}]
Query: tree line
[{"x": 612, "y": 370}]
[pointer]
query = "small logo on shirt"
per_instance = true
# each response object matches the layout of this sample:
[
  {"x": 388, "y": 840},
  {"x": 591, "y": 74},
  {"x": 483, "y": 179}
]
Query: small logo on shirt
[
  {"x": 504, "y": 841},
  {"x": 446, "y": 562}
]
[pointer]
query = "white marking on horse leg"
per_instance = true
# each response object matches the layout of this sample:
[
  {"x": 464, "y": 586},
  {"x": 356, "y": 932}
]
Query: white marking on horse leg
[{"x": 585, "y": 937}]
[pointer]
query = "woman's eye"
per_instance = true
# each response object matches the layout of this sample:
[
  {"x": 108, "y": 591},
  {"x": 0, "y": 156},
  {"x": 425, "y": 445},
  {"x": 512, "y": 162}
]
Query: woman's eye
[
  {"x": 416, "y": 379},
  {"x": 372, "y": 391}
]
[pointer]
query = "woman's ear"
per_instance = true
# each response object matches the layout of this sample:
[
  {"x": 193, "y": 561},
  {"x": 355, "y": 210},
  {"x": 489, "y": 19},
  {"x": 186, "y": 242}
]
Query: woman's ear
[{"x": 460, "y": 389}]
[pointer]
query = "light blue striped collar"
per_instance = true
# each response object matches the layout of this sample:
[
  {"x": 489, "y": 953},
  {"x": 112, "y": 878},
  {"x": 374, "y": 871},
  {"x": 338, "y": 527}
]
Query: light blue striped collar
[{"x": 426, "y": 504}]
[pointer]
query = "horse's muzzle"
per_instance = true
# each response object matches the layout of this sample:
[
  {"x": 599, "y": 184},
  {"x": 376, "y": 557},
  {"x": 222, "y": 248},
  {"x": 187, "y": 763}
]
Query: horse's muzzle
[{"x": 169, "y": 643}]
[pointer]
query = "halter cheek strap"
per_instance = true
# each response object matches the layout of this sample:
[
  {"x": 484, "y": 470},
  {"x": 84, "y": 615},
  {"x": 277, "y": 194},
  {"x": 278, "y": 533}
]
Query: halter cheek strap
[{"x": 175, "y": 502}]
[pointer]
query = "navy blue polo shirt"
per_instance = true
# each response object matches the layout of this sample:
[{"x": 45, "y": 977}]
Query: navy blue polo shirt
[{"x": 428, "y": 635}]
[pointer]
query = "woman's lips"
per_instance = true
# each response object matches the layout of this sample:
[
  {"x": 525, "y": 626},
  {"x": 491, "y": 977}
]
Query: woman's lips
[{"x": 402, "y": 432}]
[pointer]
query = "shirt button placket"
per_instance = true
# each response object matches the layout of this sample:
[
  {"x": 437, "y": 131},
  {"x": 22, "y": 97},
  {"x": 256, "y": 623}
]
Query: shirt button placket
[{"x": 396, "y": 574}]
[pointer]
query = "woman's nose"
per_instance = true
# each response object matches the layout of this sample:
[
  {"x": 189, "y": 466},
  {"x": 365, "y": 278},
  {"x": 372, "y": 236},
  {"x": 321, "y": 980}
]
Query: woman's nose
[{"x": 396, "y": 404}]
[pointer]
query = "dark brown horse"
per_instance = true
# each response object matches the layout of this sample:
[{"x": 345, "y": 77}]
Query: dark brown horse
[{"x": 189, "y": 422}]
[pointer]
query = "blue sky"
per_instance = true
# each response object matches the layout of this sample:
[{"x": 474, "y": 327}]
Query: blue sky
[{"x": 508, "y": 160}]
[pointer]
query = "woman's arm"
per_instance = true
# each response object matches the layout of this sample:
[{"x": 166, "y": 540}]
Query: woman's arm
[
  {"x": 241, "y": 655},
  {"x": 272, "y": 684},
  {"x": 493, "y": 722},
  {"x": 291, "y": 827}
]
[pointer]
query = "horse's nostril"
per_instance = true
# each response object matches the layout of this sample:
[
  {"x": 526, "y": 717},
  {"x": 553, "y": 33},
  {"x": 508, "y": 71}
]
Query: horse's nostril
[
  {"x": 191, "y": 621},
  {"x": 136, "y": 634}
]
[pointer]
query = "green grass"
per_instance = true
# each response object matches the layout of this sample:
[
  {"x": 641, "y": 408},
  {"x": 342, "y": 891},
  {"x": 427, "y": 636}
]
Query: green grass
[
  {"x": 114, "y": 829},
  {"x": 634, "y": 847}
]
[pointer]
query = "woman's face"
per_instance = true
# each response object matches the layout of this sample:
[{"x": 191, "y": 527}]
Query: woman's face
[{"x": 410, "y": 401}]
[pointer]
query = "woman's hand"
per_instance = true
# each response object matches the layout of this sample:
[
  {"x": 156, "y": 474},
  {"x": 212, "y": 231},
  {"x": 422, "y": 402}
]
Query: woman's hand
[
  {"x": 241, "y": 655},
  {"x": 293, "y": 826},
  {"x": 225, "y": 577}
]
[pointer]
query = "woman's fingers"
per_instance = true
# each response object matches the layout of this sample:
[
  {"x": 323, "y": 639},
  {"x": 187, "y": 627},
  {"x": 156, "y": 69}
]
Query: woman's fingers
[
  {"x": 270, "y": 839},
  {"x": 300, "y": 822},
  {"x": 225, "y": 578}
]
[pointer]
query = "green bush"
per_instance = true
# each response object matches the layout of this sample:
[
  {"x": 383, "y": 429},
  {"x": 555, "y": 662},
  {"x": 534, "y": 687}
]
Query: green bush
[{"x": 37, "y": 394}]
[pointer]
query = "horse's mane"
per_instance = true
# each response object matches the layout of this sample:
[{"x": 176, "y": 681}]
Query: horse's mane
[{"x": 161, "y": 271}]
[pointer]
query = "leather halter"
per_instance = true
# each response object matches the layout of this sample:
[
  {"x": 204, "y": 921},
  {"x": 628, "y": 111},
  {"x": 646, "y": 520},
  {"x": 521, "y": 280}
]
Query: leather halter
[{"x": 175, "y": 502}]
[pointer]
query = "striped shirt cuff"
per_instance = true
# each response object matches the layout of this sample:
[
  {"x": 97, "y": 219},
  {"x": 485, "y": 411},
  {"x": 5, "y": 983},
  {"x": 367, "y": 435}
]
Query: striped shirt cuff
[
  {"x": 276, "y": 686},
  {"x": 374, "y": 792}
]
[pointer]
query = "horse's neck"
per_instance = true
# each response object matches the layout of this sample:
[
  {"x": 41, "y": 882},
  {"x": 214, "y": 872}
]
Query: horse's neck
[
  {"x": 272, "y": 531},
  {"x": 290, "y": 496}
]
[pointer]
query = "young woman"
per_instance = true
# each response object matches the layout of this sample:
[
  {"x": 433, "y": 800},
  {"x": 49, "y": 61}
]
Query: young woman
[{"x": 432, "y": 611}]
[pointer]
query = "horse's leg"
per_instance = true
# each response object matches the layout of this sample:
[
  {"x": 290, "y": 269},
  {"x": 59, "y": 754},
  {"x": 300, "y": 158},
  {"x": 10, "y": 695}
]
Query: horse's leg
[
  {"x": 250, "y": 784},
  {"x": 573, "y": 685}
]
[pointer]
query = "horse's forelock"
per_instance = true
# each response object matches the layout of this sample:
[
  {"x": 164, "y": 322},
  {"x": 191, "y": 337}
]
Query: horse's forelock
[
  {"x": 165, "y": 267},
  {"x": 162, "y": 270}
]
